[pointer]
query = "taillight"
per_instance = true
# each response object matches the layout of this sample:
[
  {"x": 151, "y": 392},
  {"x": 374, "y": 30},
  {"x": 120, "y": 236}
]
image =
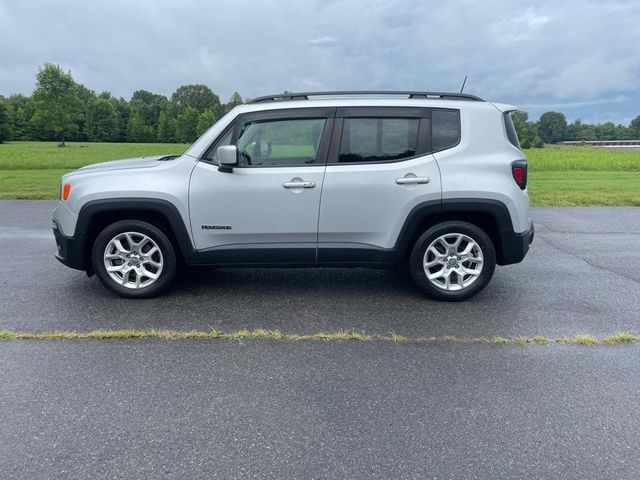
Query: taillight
[{"x": 519, "y": 172}]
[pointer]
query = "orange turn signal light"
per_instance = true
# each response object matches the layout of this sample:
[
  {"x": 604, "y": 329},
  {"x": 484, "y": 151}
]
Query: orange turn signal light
[{"x": 65, "y": 190}]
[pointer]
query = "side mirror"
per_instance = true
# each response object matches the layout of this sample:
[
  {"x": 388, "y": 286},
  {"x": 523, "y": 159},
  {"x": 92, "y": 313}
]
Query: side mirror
[{"x": 227, "y": 158}]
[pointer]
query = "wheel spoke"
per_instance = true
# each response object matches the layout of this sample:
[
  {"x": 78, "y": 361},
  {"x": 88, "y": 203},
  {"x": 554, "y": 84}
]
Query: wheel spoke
[
  {"x": 438, "y": 274},
  {"x": 468, "y": 248},
  {"x": 470, "y": 271},
  {"x": 119, "y": 247},
  {"x": 149, "y": 274}
]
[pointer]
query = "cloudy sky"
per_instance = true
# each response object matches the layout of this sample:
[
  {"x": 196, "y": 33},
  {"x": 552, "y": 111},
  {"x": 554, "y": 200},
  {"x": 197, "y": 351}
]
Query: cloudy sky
[{"x": 581, "y": 58}]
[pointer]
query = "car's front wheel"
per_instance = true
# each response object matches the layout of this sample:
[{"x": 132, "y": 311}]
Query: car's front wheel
[
  {"x": 452, "y": 261},
  {"x": 134, "y": 259}
]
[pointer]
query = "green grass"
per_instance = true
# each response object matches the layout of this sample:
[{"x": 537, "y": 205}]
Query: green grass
[
  {"x": 32, "y": 170},
  {"x": 48, "y": 155},
  {"x": 338, "y": 336},
  {"x": 583, "y": 176},
  {"x": 558, "y": 176},
  {"x": 584, "y": 188},
  {"x": 554, "y": 158},
  {"x": 30, "y": 184}
]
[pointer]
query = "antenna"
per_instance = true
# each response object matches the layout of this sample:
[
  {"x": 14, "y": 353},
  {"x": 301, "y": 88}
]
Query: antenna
[{"x": 463, "y": 83}]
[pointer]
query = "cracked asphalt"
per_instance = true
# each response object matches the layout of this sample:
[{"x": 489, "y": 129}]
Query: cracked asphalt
[
  {"x": 177, "y": 409},
  {"x": 582, "y": 275}
]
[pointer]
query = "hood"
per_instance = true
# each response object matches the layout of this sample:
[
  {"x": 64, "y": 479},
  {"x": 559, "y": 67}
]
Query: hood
[{"x": 140, "y": 162}]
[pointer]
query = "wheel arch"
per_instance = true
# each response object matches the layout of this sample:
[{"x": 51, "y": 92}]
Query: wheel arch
[
  {"x": 492, "y": 216},
  {"x": 96, "y": 215}
]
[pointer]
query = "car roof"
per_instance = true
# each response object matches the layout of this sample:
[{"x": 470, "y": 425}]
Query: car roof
[{"x": 363, "y": 102}]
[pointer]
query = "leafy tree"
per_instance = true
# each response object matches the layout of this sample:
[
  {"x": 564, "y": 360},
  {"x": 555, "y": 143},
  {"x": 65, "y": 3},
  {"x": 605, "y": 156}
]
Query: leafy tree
[
  {"x": 205, "y": 121},
  {"x": 199, "y": 97},
  {"x": 186, "y": 125},
  {"x": 57, "y": 106},
  {"x": 552, "y": 126},
  {"x": 102, "y": 121},
  {"x": 634, "y": 128},
  {"x": 234, "y": 101},
  {"x": 121, "y": 107},
  {"x": 166, "y": 128},
  {"x": 20, "y": 109},
  {"x": 148, "y": 105},
  {"x": 5, "y": 122},
  {"x": 137, "y": 131},
  {"x": 607, "y": 131},
  {"x": 538, "y": 143}
]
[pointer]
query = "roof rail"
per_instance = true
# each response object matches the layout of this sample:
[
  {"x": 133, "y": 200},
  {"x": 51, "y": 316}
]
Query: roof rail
[{"x": 354, "y": 93}]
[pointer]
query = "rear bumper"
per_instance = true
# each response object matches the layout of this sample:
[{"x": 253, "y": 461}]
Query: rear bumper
[
  {"x": 70, "y": 250},
  {"x": 515, "y": 246}
]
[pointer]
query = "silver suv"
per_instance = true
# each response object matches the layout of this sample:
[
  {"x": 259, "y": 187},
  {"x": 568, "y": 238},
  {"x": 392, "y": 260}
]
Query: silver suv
[{"x": 340, "y": 179}]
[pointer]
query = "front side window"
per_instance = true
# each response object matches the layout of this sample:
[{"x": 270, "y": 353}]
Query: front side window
[
  {"x": 378, "y": 139},
  {"x": 445, "y": 129},
  {"x": 280, "y": 142}
]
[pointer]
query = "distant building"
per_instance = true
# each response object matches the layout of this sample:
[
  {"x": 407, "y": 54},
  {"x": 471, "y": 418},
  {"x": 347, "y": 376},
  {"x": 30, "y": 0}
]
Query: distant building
[{"x": 604, "y": 143}]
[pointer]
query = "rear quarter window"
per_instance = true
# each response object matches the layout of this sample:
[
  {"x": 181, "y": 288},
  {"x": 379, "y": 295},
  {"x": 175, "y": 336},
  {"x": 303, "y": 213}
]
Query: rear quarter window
[
  {"x": 512, "y": 135},
  {"x": 445, "y": 129}
]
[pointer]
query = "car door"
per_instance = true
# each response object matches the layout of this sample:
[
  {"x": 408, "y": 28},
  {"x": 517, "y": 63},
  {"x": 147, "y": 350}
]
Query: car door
[
  {"x": 379, "y": 168},
  {"x": 266, "y": 209}
]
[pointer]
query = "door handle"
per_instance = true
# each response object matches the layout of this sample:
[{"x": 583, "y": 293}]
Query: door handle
[
  {"x": 411, "y": 180},
  {"x": 299, "y": 184}
]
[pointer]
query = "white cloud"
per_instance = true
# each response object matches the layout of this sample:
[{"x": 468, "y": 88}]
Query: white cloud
[{"x": 547, "y": 53}]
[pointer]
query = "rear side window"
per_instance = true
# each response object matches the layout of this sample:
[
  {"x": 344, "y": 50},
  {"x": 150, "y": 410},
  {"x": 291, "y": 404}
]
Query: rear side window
[
  {"x": 445, "y": 129},
  {"x": 378, "y": 139},
  {"x": 512, "y": 135}
]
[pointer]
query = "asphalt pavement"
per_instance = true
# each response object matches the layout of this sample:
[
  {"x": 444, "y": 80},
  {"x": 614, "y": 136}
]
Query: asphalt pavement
[
  {"x": 178, "y": 409},
  {"x": 582, "y": 275}
]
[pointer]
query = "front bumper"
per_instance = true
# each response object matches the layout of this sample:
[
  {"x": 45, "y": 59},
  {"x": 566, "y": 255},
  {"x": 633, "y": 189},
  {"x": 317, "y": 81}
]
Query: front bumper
[
  {"x": 515, "y": 246},
  {"x": 70, "y": 250}
]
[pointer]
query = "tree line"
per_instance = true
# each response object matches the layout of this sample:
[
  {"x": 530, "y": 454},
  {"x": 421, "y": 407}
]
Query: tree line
[
  {"x": 62, "y": 109},
  {"x": 552, "y": 127}
]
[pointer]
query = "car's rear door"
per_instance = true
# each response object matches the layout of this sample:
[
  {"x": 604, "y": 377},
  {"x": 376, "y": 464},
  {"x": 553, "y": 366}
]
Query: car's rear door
[{"x": 379, "y": 168}]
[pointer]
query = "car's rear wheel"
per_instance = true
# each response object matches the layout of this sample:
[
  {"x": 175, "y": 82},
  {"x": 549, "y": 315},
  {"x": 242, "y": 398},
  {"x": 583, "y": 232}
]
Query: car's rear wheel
[
  {"x": 452, "y": 261},
  {"x": 134, "y": 259}
]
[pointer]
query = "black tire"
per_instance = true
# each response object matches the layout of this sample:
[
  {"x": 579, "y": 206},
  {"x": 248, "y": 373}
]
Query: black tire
[
  {"x": 156, "y": 235},
  {"x": 472, "y": 231}
]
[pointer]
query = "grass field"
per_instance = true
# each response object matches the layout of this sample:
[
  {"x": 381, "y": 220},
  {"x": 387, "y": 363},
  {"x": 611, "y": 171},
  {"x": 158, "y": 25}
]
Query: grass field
[
  {"x": 32, "y": 170},
  {"x": 563, "y": 176},
  {"x": 588, "y": 176}
]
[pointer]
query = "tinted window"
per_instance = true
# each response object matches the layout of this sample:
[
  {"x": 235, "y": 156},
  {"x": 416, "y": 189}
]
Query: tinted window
[
  {"x": 378, "y": 139},
  {"x": 445, "y": 128},
  {"x": 280, "y": 142},
  {"x": 512, "y": 135}
]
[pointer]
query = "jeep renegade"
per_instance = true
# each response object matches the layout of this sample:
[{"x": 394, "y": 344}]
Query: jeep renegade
[{"x": 353, "y": 179}]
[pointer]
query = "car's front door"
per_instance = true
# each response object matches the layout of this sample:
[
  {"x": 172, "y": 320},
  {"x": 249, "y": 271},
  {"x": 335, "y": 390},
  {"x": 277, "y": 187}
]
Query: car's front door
[{"x": 266, "y": 209}]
